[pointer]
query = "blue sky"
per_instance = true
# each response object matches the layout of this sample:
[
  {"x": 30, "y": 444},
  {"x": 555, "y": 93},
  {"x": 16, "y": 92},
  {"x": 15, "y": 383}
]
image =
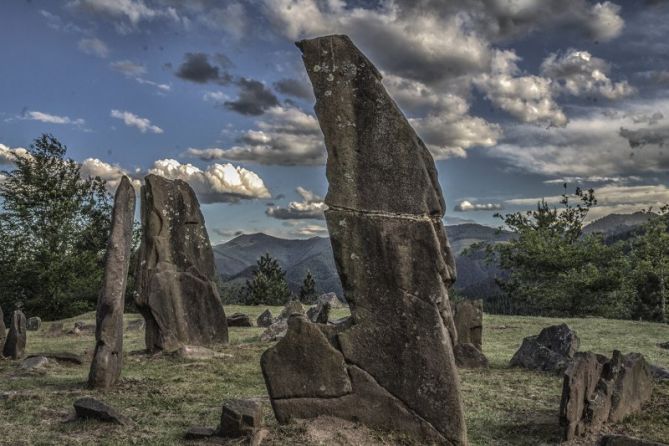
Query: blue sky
[{"x": 513, "y": 97}]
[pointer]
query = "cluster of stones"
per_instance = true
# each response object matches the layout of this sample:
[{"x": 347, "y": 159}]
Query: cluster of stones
[
  {"x": 391, "y": 365},
  {"x": 597, "y": 390}
]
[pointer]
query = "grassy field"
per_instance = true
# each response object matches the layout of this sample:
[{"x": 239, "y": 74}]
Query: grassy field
[{"x": 165, "y": 395}]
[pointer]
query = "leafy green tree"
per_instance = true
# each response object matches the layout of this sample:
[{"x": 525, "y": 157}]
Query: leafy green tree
[
  {"x": 53, "y": 233},
  {"x": 650, "y": 257},
  {"x": 308, "y": 293},
  {"x": 552, "y": 268},
  {"x": 268, "y": 286}
]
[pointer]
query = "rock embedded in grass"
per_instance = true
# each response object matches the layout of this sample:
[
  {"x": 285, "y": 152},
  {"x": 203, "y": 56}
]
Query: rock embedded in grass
[
  {"x": 240, "y": 418},
  {"x": 199, "y": 433},
  {"x": 34, "y": 363},
  {"x": 239, "y": 320},
  {"x": 15, "y": 344},
  {"x": 550, "y": 351},
  {"x": 597, "y": 390},
  {"x": 90, "y": 408},
  {"x": 68, "y": 357},
  {"x": 467, "y": 356},
  {"x": 319, "y": 313}
]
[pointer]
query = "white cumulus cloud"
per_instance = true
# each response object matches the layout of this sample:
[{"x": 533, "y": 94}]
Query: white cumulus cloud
[
  {"x": 218, "y": 183},
  {"x": 132, "y": 120}
]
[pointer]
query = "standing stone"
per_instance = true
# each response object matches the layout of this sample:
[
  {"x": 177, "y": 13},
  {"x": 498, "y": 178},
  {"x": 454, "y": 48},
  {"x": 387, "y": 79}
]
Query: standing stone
[
  {"x": 392, "y": 366},
  {"x": 15, "y": 344},
  {"x": 319, "y": 313},
  {"x": 34, "y": 323},
  {"x": 3, "y": 331},
  {"x": 468, "y": 316},
  {"x": 177, "y": 292},
  {"x": 265, "y": 319},
  {"x": 108, "y": 357}
]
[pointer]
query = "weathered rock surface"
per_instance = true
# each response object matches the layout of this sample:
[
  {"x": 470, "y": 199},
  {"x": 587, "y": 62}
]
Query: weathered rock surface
[
  {"x": 392, "y": 367},
  {"x": 597, "y": 390},
  {"x": 621, "y": 440},
  {"x": 90, "y": 408},
  {"x": 34, "y": 323},
  {"x": 332, "y": 299},
  {"x": 279, "y": 326},
  {"x": 468, "y": 317},
  {"x": 15, "y": 344},
  {"x": 291, "y": 307},
  {"x": 468, "y": 356},
  {"x": 319, "y": 313},
  {"x": 551, "y": 351},
  {"x": 265, "y": 319},
  {"x": 240, "y": 418},
  {"x": 239, "y": 320},
  {"x": 68, "y": 357},
  {"x": 108, "y": 357},
  {"x": 177, "y": 293}
]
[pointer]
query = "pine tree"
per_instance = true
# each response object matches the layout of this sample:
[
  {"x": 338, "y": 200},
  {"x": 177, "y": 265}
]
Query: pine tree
[
  {"x": 308, "y": 293},
  {"x": 268, "y": 286}
]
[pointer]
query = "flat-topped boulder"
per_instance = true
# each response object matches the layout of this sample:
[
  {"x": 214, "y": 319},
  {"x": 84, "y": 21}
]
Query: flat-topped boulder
[
  {"x": 391, "y": 365},
  {"x": 176, "y": 277}
]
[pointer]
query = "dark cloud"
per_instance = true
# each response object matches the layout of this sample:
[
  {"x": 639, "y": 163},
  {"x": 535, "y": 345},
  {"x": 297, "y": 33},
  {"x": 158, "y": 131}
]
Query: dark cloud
[
  {"x": 196, "y": 68},
  {"x": 270, "y": 203},
  {"x": 280, "y": 197},
  {"x": 254, "y": 98},
  {"x": 294, "y": 87},
  {"x": 227, "y": 233},
  {"x": 658, "y": 136}
]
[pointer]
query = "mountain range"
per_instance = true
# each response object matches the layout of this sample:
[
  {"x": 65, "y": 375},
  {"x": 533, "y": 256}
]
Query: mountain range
[{"x": 236, "y": 259}]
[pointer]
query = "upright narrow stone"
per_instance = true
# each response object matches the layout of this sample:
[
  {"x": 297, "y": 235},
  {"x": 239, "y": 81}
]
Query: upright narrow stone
[
  {"x": 393, "y": 257},
  {"x": 15, "y": 344},
  {"x": 469, "y": 322},
  {"x": 177, "y": 293},
  {"x": 108, "y": 358}
]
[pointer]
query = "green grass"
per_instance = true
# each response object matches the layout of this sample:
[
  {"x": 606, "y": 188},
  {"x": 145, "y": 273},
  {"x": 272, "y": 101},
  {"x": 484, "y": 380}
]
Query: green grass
[{"x": 165, "y": 395}]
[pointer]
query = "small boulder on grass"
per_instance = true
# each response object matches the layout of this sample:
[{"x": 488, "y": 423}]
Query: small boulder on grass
[
  {"x": 239, "y": 320},
  {"x": 467, "y": 356},
  {"x": 90, "y": 408},
  {"x": 240, "y": 418},
  {"x": 34, "y": 364}
]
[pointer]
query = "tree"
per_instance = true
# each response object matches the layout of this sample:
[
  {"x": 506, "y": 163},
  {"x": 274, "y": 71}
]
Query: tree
[
  {"x": 551, "y": 267},
  {"x": 650, "y": 257},
  {"x": 268, "y": 286},
  {"x": 308, "y": 293},
  {"x": 53, "y": 233}
]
